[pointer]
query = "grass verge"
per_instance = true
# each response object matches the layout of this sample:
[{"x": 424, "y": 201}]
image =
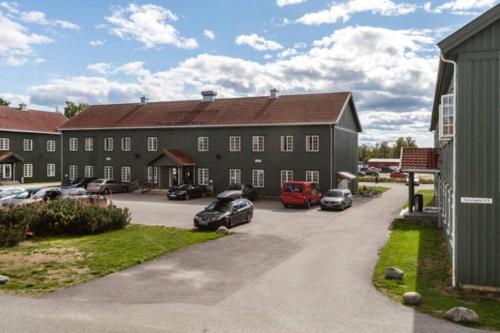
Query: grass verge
[
  {"x": 45, "y": 265},
  {"x": 420, "y": 250},
  {"x": 429, "y": 199}
]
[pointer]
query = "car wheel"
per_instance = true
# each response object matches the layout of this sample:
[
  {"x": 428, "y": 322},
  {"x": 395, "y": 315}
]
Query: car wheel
[
  {"x": 308, "y": 204},
  {"x": 343, "y": 206},
  {"x": 187, "y": 196},
  {"x": 227, "y": 223},
  {"x": 249, "y": 217},
  {"x": 285, "y": 205},
  {"x": 125, "y": 189},
  {"x": 106, "y": 191}
]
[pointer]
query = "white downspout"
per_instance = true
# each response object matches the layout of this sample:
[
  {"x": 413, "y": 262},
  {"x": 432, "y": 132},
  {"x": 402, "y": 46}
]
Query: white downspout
[
  {"x": 331, "y": 156},
  {"x": 454, "y": 163}
]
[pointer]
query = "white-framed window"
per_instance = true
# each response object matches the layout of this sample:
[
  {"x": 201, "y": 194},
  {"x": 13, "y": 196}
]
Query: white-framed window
[
  {"x": 126, "y": 143},
  {"x": 258, "y": 178},
  {"x": 51, "y": 169},
  {"x": 28, "y": 170},
  {"x": 73, "y": 172},
  {"x": 234, "y": 143},
  {"x": 6, "y": 171},
  {"x": 28, "y": 145},
  {"x": 312, "y": 143},
  {"x": 4, "y": 144},
  {"x": 152, "y": 143},
  {"x": 286, "y": 175},
  {"x": 108, "y": 172},
  {"x": 203, "y": 176},
  {"x": 126, "y": 174},
  {"x": 51, "y": 145},
  {"x": 89, "y": 144},
  {"x": 88, "y": 171},
  {"x": 153, "y": 175},
  {"x": 446, "y": 116},
  {"x": 73, "y": 144},
  {"x": 287, "y": 143},
  {"x": 203, "y": 143},
  {"x": 234, "y": 176},
  {"x": 257, "y": 143},
  {"x": 108, "y": 144},
  {"x": 312, "y": 176}
]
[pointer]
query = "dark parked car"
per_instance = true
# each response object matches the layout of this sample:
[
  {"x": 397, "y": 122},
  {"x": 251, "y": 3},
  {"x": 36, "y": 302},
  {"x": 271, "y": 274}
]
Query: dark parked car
[
  {"x": 80, "y": 182},
  {"x": 186, "y": 192},
  {"x": 369, "y": 171},
  {"x": 336, "y": 199},
  {"x": 226, "y": 212},
  {"x": 248, "y": 190},
  {"x": 387, "y": 170}
]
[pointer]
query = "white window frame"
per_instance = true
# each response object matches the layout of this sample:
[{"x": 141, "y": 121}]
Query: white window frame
[
  {"x": 126, "y": 173},
  {"x": 4, "y": 144},
  {"x": 51, "y": 146},
  {"x": 27, "y": 145},
  {"x": 286, "y": 175},
  {"x": 126, "y": 143},
  {"x": 108, "y": 144},
  {"x": 203, "y": 176},
  {"x": 152, "y": 143},
  {"x": 312, "y": 143},
  {"x": 258, "y": 143},
  {"x": 286, "y": 143},
  {"x": 108, "y": 172},
  {"x": 6, "y": 171},
  {"x": 88, "y": 171},
  {"x": 234, "y": 176},
  {"x": 73, "y": 144},
  {"x": 203, "y": 143},
  {"x": 447, "y": 111},
  {"x": 89, "y": 144},
  {"x": 153, "y": 175},
  {"x": 312, "y": 176},
  {"x": 51, "y": 169},
  {"x": 258, "y": 178},
  {"x": 235, "y": 143},
  {"x": 73, "y": 172},
  {"x": 28, "y": 170}
]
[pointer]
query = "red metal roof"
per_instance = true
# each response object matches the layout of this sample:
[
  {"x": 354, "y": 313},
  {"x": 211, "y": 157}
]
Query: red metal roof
[
  {"x": 30, "y": 120},
  {"x": 179, "y": 157},
  {"x": 419, "y": 159},
  {"x": 8, "y": 154},
  {"x": 289, "y": 109}
]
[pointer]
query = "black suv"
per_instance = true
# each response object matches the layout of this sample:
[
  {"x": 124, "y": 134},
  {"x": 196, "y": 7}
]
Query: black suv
[
  {"x": 248, "y": 191},
  {"x": 229, "y": 210}
]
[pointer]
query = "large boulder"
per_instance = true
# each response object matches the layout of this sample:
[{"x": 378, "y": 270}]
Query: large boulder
[
  {"x": 462, "y": 315},
  {"x": 394, "y": 273},
  {"x": 222, "y": 230},
  {"x": 3, "y": 279},
  {"x": 412, "y": 298}
]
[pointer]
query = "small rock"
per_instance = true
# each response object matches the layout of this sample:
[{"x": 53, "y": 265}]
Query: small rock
[
  {"x": 3, "y": 279},
  {"x": 462, "y": 315},
  {"x": 394, "y": 273},
  {"x": 412, "y": 298},
  {"x": 222, "y": 230}
]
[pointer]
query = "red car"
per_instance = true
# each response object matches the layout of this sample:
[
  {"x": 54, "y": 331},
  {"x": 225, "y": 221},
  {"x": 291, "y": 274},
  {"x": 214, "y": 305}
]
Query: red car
[{"x": 299, "y": 193}]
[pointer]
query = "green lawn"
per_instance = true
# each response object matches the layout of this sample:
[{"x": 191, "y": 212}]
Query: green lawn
[
  {"x": 429, "y": 199},
  {"x": 420, "y": 251},
  {"x": 380, "y": 189},
  {"x": 45, "y": 265}
]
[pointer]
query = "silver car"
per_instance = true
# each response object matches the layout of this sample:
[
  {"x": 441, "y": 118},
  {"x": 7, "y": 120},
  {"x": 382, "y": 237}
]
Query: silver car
[
  {"x": 106, "y": 186},
  {"x": 336, "y": 199},
  {"x": 10, "y": 191},
  {"x": 19, "y": 198}
]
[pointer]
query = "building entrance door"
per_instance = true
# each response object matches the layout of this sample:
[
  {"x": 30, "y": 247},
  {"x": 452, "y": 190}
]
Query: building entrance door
[{"x": 6, "y": 171}]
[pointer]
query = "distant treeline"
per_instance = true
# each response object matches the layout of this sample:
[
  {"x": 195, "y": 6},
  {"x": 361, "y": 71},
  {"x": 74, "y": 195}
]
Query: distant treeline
[{"x": 384, "y": 149}]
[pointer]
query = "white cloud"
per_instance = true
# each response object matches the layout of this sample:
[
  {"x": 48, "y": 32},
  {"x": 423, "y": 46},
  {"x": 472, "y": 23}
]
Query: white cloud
[
  {"x": 209, "y": 34},
  {"x": 15, "y": 99},
  {"x": 97, "y": 42},
  {"x": 288, "y": 53},
  {"x": 282, "y": 3},
  {"x": 344, "y": 10},
  {"x": 135, "y": 68},
  {"x": 16, "y": 47},
  {"x": 40, "y": 18},
  {"x": 149, "y": 25},
  {"x": 258, "y": 43},
  {"x": 461, "y": 7},
  {"x": 390, "y": 72}
]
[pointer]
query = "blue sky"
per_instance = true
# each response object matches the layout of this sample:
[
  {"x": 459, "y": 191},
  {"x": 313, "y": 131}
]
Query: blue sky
[{"x": 113, "y": 51}]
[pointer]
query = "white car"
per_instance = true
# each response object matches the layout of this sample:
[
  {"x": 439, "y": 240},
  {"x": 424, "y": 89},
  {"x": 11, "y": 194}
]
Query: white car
[{"x": 10, "y": 191}]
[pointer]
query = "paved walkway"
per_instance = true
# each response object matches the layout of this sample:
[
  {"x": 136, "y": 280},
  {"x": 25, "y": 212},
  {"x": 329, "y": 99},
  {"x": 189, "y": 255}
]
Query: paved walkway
[{"x": 288, "y": 271}]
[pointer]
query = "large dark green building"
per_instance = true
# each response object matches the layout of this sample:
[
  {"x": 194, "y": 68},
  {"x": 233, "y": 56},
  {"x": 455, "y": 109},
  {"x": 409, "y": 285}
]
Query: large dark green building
[
  {"x": 255, "y": 140},
  {"x": 466, "y": 121},
  {"x": 30, "y": 145}
]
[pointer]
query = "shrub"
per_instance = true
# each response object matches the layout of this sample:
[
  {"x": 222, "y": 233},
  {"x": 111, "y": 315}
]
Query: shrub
[
  {"x": 371, "y": 191},
  {"x": 12, "y": 227}
]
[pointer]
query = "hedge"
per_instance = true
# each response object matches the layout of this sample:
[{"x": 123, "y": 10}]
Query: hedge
[{"x": 59, "y": 217}]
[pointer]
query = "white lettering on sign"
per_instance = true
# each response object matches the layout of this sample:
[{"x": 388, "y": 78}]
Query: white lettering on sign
[
  {"x": 483, "y": 201},
  {"x": 258, "y": 161}
]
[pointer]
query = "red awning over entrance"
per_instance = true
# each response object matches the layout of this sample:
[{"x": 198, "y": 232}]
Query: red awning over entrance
[
  {"x": 7, "y": 156},
  {"x": 420, "y": 160}
]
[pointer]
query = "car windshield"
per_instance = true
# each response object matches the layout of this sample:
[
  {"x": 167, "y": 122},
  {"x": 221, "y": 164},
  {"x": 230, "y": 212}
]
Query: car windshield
[
  {"x": 334, "y": 194},
  {"x": 98, "y": 181},
  {"x": 235, "y": 187},
  {"x": 220, "y": 206},
  {"x": 294, "y": 188},
  {"x": 23, "y": 195},
  {"x": 183, "y": 187}
]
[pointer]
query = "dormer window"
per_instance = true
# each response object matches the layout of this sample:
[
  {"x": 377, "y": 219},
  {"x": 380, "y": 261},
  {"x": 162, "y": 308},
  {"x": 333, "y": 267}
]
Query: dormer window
[{"x": 446, "y": 117}]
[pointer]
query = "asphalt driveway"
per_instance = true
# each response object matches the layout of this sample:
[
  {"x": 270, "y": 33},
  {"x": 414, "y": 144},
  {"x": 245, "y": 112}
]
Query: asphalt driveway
[{"x": 290, "y": 270}]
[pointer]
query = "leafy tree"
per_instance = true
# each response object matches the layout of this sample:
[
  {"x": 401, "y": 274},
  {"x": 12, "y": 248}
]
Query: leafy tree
[
  {"x": 71, "y": 109},
  {"x": 4, "y": 102},
  {"x": 384, "y": 149}
]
